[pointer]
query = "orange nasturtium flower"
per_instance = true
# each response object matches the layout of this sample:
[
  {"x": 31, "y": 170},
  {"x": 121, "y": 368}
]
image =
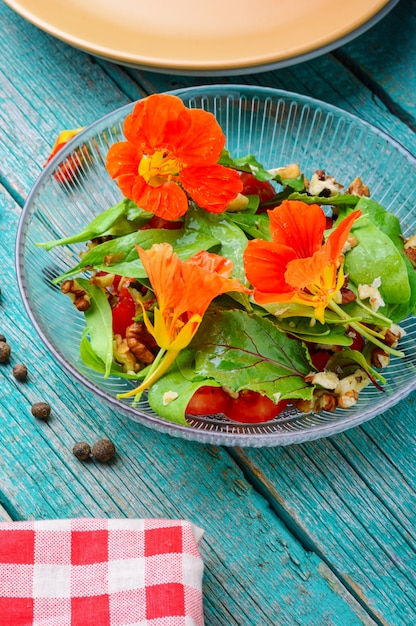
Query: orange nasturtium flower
[
  {"x": 298, "y": 266},
  {"x": 171, "y": 153},
  {"x": 184, "y": 290}
]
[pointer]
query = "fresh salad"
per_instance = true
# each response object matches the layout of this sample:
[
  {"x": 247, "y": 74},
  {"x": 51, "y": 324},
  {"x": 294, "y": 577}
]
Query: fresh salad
[{"x": 218, "y": 286}]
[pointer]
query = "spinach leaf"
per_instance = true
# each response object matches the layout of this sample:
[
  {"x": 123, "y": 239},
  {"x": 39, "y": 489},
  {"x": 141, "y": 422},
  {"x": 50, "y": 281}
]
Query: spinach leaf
[
  {"x": 99, "y": 324},
  {"x": 120, "y": 219},
  {"x": 398, "y": 312},
  {"x": 247, "y": 163},
  {"x": 243, "y": 351},
  {"x": 250, "y": 164},
  {"x": 255, "y": 225},
  {"x": 375, "y": 256},
  {"x": 120, "y": 256},
  {"x": 388, "y": 223},
  {"x": 301, "y": 328},
  {"x": 341, "y": 199},
  {"x": 346, "y": 361},
  {"x": 232, "y": 240}
]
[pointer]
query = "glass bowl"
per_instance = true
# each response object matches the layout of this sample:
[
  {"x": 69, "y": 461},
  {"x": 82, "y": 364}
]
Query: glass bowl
[{"x": 279, "y": 128}]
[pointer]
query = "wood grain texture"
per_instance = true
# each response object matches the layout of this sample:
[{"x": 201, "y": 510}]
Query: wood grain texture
[
  {"x": 324, "y": 78},
  {"x": 321, "y": 533},
  {"x": 340, "y": 496},
  {"x": 377, "y": 58},
  {"x": 272, "y": 580}
]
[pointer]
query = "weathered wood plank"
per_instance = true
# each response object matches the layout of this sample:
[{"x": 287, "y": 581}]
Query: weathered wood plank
[
  {"x": 351, "y": 498},
  {"x": 218, "y": 497},
  {"x": 154, "y": 475},
  {"x": 324, "y": 78},
  {"x": 346, "y": 497},
  {"x": 48, "y": 87},
  {"x": 377, "y": 58}
]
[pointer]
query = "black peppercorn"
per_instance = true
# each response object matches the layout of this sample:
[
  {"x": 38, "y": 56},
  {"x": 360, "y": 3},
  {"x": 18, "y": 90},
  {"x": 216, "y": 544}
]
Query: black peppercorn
[
  {"x": 20, "y": 371},
  {"x": 4, "y": 351},
  {"x": 103, "y": 450},
  {"x": 41, "y": 410},
  {"x": 82, "y": 450}
]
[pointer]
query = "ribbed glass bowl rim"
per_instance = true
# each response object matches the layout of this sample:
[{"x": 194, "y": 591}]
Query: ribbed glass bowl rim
[{"x": 277, "y": 438}]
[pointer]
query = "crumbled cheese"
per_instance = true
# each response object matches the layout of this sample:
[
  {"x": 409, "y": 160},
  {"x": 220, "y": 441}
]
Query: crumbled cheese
[
  {"x": 329, "y": 184},
  {"x": 276, "y": 397},
  {"x": 328, "y": 380},
  {"x": 397, "y": 330},
  {"x": 353, "y": 382},
  {"x": 383, "y": 360},
  {"x": 372, "y": 293},
  {"x": 168, "y": 397}
]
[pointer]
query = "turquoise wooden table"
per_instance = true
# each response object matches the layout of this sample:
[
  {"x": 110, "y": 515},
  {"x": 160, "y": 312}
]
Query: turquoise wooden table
[{"x": 312, "y": 534}]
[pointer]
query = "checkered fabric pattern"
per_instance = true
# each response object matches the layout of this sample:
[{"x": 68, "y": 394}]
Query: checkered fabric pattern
[{"x": 100, "y": 572}]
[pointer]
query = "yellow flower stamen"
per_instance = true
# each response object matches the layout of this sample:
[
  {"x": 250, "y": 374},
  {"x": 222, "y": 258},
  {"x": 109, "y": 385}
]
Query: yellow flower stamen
[
  {"x": 157, "y": 168},
  {"x": 154, "y": 375}
]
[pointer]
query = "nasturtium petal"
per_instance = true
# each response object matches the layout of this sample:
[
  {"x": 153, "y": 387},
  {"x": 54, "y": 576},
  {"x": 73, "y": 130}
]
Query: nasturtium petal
[
  {"x": 122, "y": 159},
  {"x": 265, "y": 265},
  {"x": 168, "y": 200},
  {"x": 212, "y": 187},
  {"x": 204, "y": 141},
  {"x": 299, "y": 226},
  {"x": 154, "y": 120}
]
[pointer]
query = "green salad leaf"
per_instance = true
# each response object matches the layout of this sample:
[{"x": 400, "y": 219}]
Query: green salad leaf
[
  {"x": 347, "y": 361},
  {"x": 120, "y": 219},
  {"x": 231, "y": 239},
  {"x": 340, "y": 199},
  {"x": 253, "y": 224},
  {"x": 377, "y": 256},
  {"x": 120, "y": 256},
  {"x": 99, "y": 324},
  {"x": 242, "y": 351},
  {"x": 328, "y": 334}
]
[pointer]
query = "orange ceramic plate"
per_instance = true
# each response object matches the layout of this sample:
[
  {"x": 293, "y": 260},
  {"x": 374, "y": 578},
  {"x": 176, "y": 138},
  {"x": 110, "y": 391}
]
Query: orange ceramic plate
[{"x": 197, "y": 37}]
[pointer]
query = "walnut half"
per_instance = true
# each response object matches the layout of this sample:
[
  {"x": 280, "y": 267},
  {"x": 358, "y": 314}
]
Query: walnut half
[
  {"x": 79, "y": 296},
  {"x": 141, "y": 343}
]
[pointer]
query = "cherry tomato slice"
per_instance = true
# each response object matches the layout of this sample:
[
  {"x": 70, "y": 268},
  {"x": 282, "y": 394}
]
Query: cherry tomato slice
[
  {"x": 160, "y": 222},
  {"x": 123, "y": 314},
  {"x": 252, "y": 408},
  {"x": 208, "y": 400},
  {"x": 320, "y": 359},
  {"x": 252, "y": 186},
  {"x": 358, "y": 342}
]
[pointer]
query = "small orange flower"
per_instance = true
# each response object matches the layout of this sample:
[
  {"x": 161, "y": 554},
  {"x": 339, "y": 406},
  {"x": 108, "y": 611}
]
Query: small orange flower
[
  {"x": 297, "y": 266},
  {"x": 172, "y": 152},
  {"x": 184, "y": 290}
]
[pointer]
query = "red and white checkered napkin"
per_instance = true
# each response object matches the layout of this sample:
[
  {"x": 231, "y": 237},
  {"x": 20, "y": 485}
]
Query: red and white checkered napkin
[{"x": 100, "y": 572}]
